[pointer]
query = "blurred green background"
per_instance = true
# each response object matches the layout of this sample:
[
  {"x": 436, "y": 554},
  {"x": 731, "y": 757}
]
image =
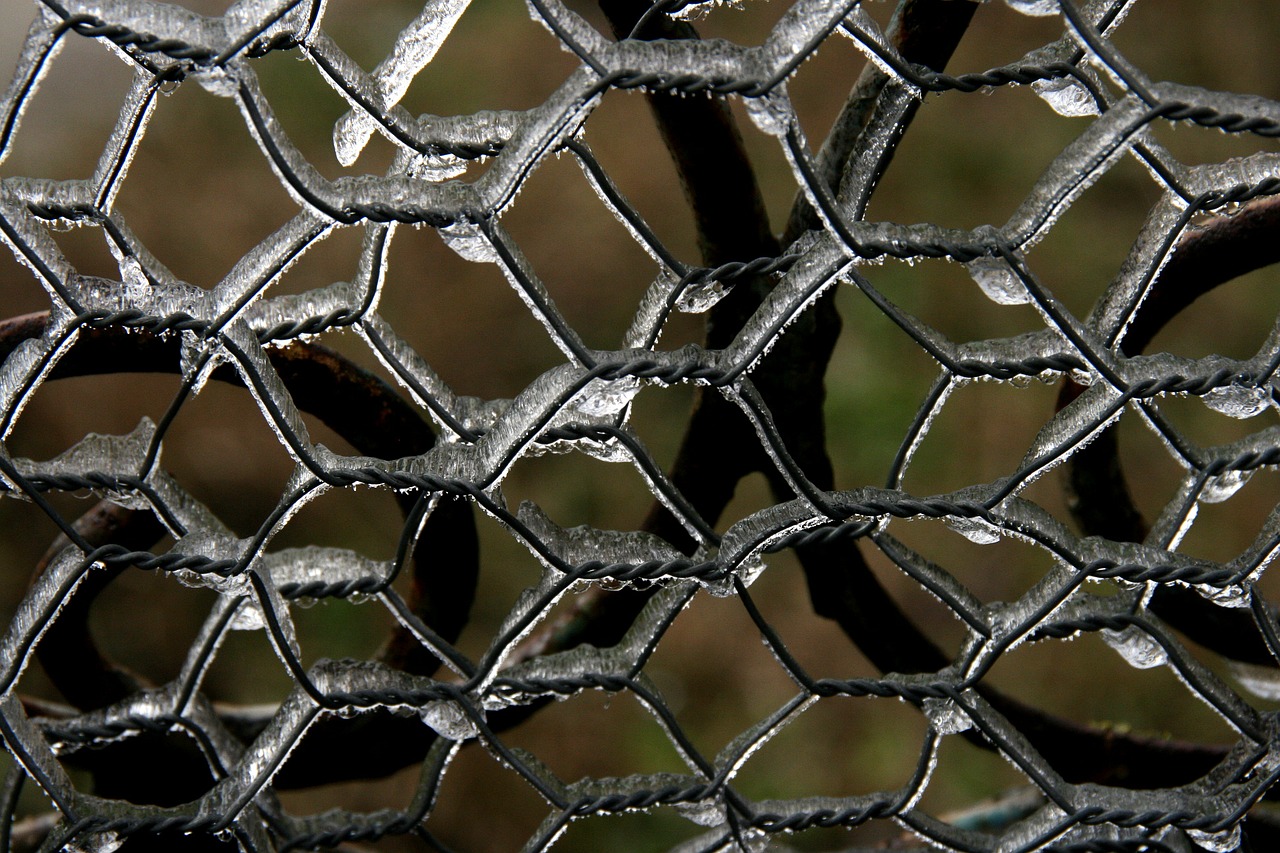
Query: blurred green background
[{"x": 200, "y": 194}]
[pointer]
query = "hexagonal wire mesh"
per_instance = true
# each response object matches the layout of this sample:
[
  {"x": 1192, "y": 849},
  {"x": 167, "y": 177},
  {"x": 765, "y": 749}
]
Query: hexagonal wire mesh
[{"x": 911, "y": 576}]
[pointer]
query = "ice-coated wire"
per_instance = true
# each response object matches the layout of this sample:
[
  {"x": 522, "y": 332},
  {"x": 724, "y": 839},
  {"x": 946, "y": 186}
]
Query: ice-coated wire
[{"x": 425, "y": 697}]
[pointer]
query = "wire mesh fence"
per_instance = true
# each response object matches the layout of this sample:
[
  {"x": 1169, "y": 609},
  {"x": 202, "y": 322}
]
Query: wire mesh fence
[{"x": 833, "y": 585}]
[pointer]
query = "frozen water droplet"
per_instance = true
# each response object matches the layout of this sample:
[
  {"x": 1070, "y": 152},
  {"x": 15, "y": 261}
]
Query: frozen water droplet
[
  {"x": 448, "y": 720},
  {"x": 136, "y": 286},
  {"x": 469, "y": 242},
  {"x": 216, "y": 81},
  {"x": 771, "y": 113},
  {"x": 975, "y": 530},
  {"x": 99, "y": 842},
  {"x": 606, "y": 396},
  {"x": 1036, "y": 8},
  {"x": 249, "y": 616},
  {"x": 1225, "y": 841},
  {"x": 1066, "y": 96},
  {"x": 1082, "y": 377},
  {"x": 946, "y": 716},
  {"x": 1136, "y": 647},
  {"x": 692, "y": 11},
  {"x": 999, "y": 282},
  {"x": 1262, "y": 681},
  {"x": 198, "y": 357},
  {"x": 709, "y": 812},
  {"x": 438, "y": 168},
  {"x": 346, "y": 712},
  {"x": 348, "y": 141},
  {"x": 1232, "y": 595},
  {"x": 697, "y": 298},
  {"x": 748, "y": 570},
  {"x": 1218, "y": 489},
  {"x": 612, "y": 584},
  {"x": 606, "y": 451},
  {"x": 1237, "y": 401}
]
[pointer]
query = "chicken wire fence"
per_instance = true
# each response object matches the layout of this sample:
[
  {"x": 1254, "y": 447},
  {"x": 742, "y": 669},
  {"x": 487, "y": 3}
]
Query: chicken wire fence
[{"x": 120, "y": 762}]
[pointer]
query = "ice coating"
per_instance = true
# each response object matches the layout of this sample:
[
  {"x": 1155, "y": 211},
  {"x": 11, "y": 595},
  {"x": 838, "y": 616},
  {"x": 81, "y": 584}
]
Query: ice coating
[
  {"x": 469, "y": 242},
  {"x": 22, "y": 371},
  {"x": 607, "y": 396},
  {"x": 215, "y": 541},
  {"x": 1067, "y": 97},
  {"x": 39, "y": 48},
  {"x": 264, "y": 756},
  {"x": 1221, "y": 487},
  {"x": 117, "y": 156},
  {"x": 248, "y": 616},
  {"x": 269, "y": 393},
  {"x": 946, "y": 717},
  {"x": 116, "y": 455},
  {"x": 559, "y": 118},
  {"x": 409, "y": 368},
  {"x": 207, "y": 642},
  {"x": 1149, "y": 253},
  {"x": 609, "y": 194},
  {"x": 697, "y": 298},
  {"x": 1222, "y": 841},
  {"x": 1136, "y": 647},
  {"x": 96, "y": 842},
  {"x": 315, "y": 564},
  {"x": 1074, "y": 170},
  {"x": 285, "y": 310},
  {"x": 519, "y": 272},
  {"x": 1238, "y": 401},
  {"x": 580, "y": 544},
  {"x": 976, "y": 530},
  {"x": 859, "y": 174},
  {"x": 652, "y": 311},
  {"x": 449, "y": 721},
  {"x": 998, "y": 281},
  {"x": 772, "y": 113},
  {"x": 1075, "y": 425},
  {"x": 36, "y": 612},
  {"x": 35, "y": 249},
  {"x": 747, "y": 537},
  {"x": 270, "y": 259},
  {"x": 1232, "y": 595},
  {"x": 100, "y": 294},
  {"x": 1037, "y": 8},
  {"x": 799, "y": 288},
  {"x": 414, "y": 48},
  {"x": 1253, "y": 170},
  {"x": 703, "y": 812}
]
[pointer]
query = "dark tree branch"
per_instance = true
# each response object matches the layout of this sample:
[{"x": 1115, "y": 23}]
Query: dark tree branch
[
  {"x": 376, "y": 421},
  {"x": 354, "y": 403},
  {"x": 1205, "y": 257},
  {"x": 67, "y": 651},
  {"x": 719, "y": 447}
]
